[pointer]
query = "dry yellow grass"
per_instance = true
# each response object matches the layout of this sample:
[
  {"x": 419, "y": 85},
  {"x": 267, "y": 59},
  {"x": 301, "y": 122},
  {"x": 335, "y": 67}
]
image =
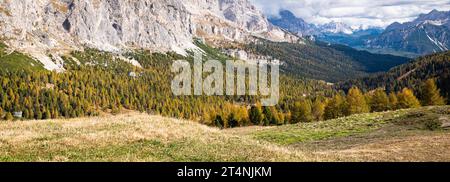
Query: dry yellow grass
[
  {"x": 391, "y": 136},
  {"x": 141, "y": 137},
  {"x": 130, "y": 137},
  {"x": 426, "y": 148}
]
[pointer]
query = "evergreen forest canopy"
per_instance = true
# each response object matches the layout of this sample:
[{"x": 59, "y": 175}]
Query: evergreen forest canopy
[{"x": 98, "y": 82}]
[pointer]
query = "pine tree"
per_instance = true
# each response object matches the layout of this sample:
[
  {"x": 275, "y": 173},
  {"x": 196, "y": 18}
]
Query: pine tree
[
  {"x": 38, "y": 114},
  {"x": 318, "y": 110},
  {"x": 9, "y": 116},
  {"x": 31, "y": 114},
  {"x": 335, "y": 108},
  {"x": 256, "y": 116},
  {"x": 233, "y": 121},
  {"x": 430, "y": 94},
  {"x": 47, "y": 114},
  {"x": 407, "y": 99},
  {"x": 219, "y": 122},
  {"x": 268, "y": 116},
  {"x": 26, "y": 114},
  {"x": 393, "y": 101},
  {"x": 379, "y": 101},
  {"x": 278, "y": 117},
  {"x": 302, "y": 112},
  {"x": 242, "y": 115},
  {"x": 356, "y": 102}
]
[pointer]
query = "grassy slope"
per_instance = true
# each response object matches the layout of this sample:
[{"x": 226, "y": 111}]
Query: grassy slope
[
  {"x": 13, "y": 61},
  {"x": 129, "y": 137},
  {"x": 405, "y": 135},
  {"x": 391, "y": 136}
]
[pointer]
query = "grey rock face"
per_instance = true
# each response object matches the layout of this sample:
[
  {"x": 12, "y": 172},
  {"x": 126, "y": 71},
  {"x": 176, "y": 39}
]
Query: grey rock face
[
  {"x": 429, "y": 33},
  {"x": 43, "y": 27},
  {"x": 289, "y": 21}
]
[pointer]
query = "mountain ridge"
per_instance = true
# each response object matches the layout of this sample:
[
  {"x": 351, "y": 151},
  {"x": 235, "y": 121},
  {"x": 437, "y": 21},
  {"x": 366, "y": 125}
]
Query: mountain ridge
[
  {"x": 161, "y": 26},
  {"x": 425, "y": 35},
  {"x": 332, "y": 32}
]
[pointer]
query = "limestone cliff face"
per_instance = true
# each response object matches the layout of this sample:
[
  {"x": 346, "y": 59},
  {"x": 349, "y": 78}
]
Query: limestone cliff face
[{"x": 54, "y": 27}]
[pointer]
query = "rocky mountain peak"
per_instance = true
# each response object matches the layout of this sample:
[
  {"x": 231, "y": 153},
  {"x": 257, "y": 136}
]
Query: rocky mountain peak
[
  {"x": 336, "y": 27},
  {"x": 55, "y": 27},
  {"x": 424, "y": 35}
]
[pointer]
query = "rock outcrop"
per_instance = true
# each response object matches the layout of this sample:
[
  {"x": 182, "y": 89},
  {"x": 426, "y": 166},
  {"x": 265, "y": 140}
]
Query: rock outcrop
[{"x": 54, "y": 27}]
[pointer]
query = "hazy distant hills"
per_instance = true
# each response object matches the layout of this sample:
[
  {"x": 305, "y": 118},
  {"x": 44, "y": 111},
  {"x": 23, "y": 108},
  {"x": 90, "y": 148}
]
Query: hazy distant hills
[
  {"x": 322, "y": 61},
  {"x": 429, "y": 33},
  {"x": 287, "y": 20},
  {"x": 409, "y": 75}
]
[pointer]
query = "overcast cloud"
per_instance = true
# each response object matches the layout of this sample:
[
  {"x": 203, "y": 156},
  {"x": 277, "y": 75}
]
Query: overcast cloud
[{"x": 354, "y": 12}]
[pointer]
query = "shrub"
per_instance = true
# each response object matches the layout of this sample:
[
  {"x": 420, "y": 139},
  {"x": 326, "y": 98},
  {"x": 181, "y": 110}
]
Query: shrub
[
  {"x": 9, "y": 116},
  {"x": 433, "y": 124}
]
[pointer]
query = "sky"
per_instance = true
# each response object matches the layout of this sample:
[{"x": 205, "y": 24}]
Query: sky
[{"x": 366, "y": 13}]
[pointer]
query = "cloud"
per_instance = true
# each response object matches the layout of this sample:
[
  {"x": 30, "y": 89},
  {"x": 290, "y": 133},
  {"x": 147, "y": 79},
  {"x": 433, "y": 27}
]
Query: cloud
[{"x": 379, "y": 13}]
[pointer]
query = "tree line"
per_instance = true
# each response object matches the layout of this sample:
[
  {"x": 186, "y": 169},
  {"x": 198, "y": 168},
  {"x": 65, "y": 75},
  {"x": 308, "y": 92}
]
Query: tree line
[
  {"x": 97, "y": 82},
  {"x": 341, "y": 105}
]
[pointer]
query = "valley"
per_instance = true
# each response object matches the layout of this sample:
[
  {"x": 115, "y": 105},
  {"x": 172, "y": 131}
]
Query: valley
[
  {"x": 94, "y": 80},
  {"x": 424, "y": 35}
]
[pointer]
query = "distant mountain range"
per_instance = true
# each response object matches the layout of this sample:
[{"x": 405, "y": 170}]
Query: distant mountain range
[
  {"x": 61, "y": 27},
  {"x": 290, "y": 22},
  {"x": 429, "y": 33},
  {"x": 320, "y": 61}
]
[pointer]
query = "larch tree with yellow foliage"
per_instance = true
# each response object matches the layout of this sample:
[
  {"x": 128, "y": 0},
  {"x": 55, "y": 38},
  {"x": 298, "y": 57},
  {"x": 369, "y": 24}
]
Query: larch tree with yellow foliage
[
  {"x": 407, "y": 99},
  {"x": 430, "y": 94},
  {"x": 356, "y": 102}
]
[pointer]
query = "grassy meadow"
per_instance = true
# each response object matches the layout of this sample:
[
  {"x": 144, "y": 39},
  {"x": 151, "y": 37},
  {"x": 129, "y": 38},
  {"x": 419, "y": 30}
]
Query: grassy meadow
[{"x": 404, "y": 135}]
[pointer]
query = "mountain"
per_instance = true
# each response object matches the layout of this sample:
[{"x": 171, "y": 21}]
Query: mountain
[
  {"x": 287, "y": 20},
  {"x": 48, "y": 27},
  {"x": 323, "y": 61},
  {"x": 336, "y": 28},
  {"x": 61, "y": 27},
  {"x": 429, "y": 33},
  {"x": 409, "y": 75},
  {"x": 357, "y": 39},
  {"x": 333, "y": 32}
]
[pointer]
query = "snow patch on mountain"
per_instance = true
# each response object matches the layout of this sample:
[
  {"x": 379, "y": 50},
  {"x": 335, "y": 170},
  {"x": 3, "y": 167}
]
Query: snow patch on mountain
[
  {"x": 424, "y": 35},
  {"x": 436, "y": 22},
  {"x": 336, "y": 27},
  {"x": 440, "y": 45}
]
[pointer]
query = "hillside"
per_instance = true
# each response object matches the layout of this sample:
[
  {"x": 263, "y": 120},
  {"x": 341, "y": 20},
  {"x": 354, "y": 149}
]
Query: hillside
[
  {"x": 409, "y": 75},
  {"x": 97, "y": 81},
  {"x": 321, "y": 61},
  {"x": 404, "y": 135},
  {"x": 12, "y": 60},
  {"x": 48, "y": 29}
]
